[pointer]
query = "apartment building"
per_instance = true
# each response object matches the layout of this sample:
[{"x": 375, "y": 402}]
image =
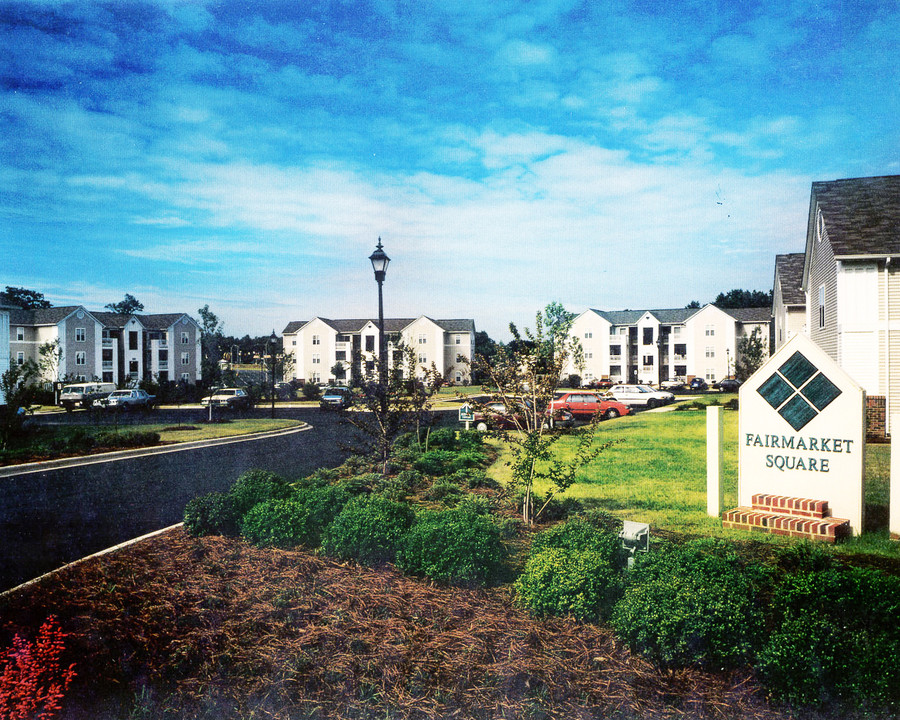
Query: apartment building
[
  {"x": 4, "y": 343},
  {"x": 111, "y": 347},
  {"x": 851, "y": 280},
  {"x": 333, "y": 351},
  {"x": 652, "y": 346}
]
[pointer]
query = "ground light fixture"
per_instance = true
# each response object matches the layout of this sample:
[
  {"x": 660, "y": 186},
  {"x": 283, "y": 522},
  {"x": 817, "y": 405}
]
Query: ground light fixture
[{"x": 635, "y": 537}]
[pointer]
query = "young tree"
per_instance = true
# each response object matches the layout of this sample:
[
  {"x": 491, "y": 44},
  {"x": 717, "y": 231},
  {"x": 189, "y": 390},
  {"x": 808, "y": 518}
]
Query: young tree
[
  {"x": 523, "y": 377},
  {"x": 210, "y": 344},
  {"x": 751, "y": 352},
  {"x": 127, "y": 306},
  {"x": 401, "y": 405},
  {"x": 24, "y": 298},
  {"x": 19, "y": 389},
  {"x": 50, "y": 354}
]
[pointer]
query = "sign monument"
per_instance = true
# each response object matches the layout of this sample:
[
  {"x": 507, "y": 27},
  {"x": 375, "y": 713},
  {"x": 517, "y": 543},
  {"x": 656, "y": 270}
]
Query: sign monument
[{"x": 801, "y": 443}]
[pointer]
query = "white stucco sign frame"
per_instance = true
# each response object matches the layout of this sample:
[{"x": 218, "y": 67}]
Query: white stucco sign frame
[{"x": 801, "y": 432}]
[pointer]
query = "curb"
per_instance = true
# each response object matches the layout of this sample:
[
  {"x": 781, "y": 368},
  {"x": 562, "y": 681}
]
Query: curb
[
  {"x": 7, "y": 471},
  {"x": 107, "y": 551}
]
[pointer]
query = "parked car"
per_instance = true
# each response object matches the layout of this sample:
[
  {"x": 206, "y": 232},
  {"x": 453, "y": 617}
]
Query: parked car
[
  {"x": 229, "y": 398},
  {"x": 127, "y": 400},
  {"x": 83, "y": 394},
  {"x": 585, "y": 406},
  {"x": 698, "y": 383},
  {"x": 336, "y": 398},
  {"x": 497, "y": 416},
  {"x": 600, "y": 384},
  {"x": 673, "y": 384},
  {"x": 640, "y": 396},
  {"x": 729, "y": 385}
]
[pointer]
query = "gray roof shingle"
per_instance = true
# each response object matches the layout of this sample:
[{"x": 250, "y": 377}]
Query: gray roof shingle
[
  {"x": 789, "y": 268},
  {"x": 750, "y": 315},
  {"x": 862, "y": 215}
]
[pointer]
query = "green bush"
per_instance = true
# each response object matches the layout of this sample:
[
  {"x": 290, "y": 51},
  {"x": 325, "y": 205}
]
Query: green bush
[
  {"x": 256, "y": 486},
  {"x": 211, "y": 514},
  {"x": 579, "y": 534},
  {"x": 127, "y": 439},
  {"x": 435, "y": 462},
  {"x": 324, "y": 504},
  {"x": 368, "y": 529},
  {"x": 444, "y": 491},
  {"x": 580, "y": 583},
  {"x": 836, "y": 639},
  {"x": 460, "y": 546},
  {"x": 278, "y": 523},
  {"x": 691, "y": 605}
]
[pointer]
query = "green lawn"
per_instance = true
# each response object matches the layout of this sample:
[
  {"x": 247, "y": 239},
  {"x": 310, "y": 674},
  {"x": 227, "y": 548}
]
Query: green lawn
[{"x": 656, "y": 473}]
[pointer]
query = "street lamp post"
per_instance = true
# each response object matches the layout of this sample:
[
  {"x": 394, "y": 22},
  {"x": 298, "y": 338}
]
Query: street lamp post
[
  {"x": 273, "y": 339},
  {"x": 380, "y": 262}
]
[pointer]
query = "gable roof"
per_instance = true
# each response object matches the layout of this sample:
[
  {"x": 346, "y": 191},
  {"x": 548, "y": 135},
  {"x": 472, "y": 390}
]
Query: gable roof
[
  {"x": 163, "y": 321},
  {"x": 391, "y": 325},
  {"x": 750, "y": 315},
  {"x": 44, "y": 316},
  {"x": 789, "y": 269},
  {"x": 862, "y": 215},
  {"x": 666, "y": 316},
  {"x": 114, "y": 320}
]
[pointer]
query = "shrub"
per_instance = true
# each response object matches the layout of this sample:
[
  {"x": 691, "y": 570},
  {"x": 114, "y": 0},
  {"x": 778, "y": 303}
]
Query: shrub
[
  {"x": 691, "y": 605},
  {"x": 324, "y": 504},
  {"x": 211, "y": 514},
  {"x": 804, "y": 556},
  {"x": 277, "y": 523},
  {"x": 458, "y": 546},
  {"x": 580, "y": 583},
  {"x": 399, "y": 486},
  {"x": 836, "y": 639},
  {"x": 368, "y": 529},
  {"x": 580, "y": 535},
  {"x": 256, "y": 486},
  {"x": 435, "y": 462},
  {"x": 311, "y": 391},
  {"x": 445, "y": 491},
  {"x": 442, "y": 439},
  {"x": 129, "y": 439}
]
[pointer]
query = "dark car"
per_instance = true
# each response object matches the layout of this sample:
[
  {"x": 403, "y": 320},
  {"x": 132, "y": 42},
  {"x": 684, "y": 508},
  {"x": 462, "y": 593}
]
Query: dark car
[
  {"x": 336, "y": 398},
  {"x": 728, "y": 385},
  {"x": 699, "y": 383}
]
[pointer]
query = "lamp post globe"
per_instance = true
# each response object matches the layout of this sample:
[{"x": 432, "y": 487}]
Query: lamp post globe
[{"x": 380, "y": 261}]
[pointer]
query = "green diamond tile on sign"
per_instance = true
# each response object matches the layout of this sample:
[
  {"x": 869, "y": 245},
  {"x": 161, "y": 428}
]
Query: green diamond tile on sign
[
  {"x": 797, "y": 412},
  {"x": 820, "y": 391},
  {"x": 798, "y": 369},
  {"x": 775, "y": 391}
]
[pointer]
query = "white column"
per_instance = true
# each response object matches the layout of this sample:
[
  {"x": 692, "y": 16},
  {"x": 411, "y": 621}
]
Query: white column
[
  {"x": 715, "y": 461},
  {"x": 894, "y": 517}
]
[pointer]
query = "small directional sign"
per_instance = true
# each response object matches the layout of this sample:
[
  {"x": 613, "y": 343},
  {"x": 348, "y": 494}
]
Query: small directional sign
[{"x": 466, "y": 414}]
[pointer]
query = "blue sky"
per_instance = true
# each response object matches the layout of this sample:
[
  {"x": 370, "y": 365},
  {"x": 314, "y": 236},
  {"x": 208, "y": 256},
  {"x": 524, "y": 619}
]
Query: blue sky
[{"x": 509, "y": 154}]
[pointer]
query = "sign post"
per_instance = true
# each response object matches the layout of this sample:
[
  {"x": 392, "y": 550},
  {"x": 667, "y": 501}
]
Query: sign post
[{"x": 466, "y": 415}]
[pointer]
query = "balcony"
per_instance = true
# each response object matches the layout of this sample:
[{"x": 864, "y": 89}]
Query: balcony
[
  {"x": 163, "y": 365},
  {"x": 107, "y": 364},
  {"x": 108, "y": 342}
]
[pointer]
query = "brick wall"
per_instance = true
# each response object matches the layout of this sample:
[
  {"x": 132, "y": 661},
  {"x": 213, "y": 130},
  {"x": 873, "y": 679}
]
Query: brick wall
[{"x": 876, "y": 418}]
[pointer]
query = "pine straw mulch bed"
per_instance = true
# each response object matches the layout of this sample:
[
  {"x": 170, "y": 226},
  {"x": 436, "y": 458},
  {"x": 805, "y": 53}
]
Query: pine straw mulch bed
[{"x": 182, "y": 627}]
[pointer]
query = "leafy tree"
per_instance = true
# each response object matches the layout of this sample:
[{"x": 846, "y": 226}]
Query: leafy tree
[
  {"x": 743, "y": 299},
  {"x": 127, "y": 306},
  {"x": 211, "y": 343},
  {"x": 24, "y": 298},
  {"x": 693, "y": 305},
  {"x": 50, "y": 354},
  {"x": 17, "y": 385},
  {"x": 523, "y": 376},
  {"x": 751, "y": 353}
]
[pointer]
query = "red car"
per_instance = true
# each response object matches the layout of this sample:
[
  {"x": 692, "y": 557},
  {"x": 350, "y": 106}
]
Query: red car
[{"x": 585, "y": 406}]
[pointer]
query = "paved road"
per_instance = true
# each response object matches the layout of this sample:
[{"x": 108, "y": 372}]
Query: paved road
[{"x": 52, "y": 517}]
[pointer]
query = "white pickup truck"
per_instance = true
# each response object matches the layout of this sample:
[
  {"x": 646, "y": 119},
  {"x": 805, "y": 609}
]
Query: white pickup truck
[{"x": 83, "y": 394}]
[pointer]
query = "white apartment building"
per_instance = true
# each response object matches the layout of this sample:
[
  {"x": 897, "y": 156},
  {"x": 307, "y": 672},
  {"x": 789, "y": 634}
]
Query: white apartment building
[
  {"x": 652, "y": 346},
  {"x": 333, "y": 351},
  {"x": 788, "y": 298}
]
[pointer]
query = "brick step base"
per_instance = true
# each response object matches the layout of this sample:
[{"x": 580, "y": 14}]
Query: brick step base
[{"x": 825, "y": 529}]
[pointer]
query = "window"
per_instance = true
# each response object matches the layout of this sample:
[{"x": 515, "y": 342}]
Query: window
[
  {"x": 370, "y": 343},
  {"x": 185, "y": 377},
  {"x": 612, "y": 330},
  {"x": 79, "y": 334},
  {"x": 648, "y": 359},
  {"x": 710, "y": 330},
  {"x": 710, "y": 351},
  {"x": 821, "y": 306},
  {"x": 133, "y": 340},
  {"x": 81, "y": 378},
  {"x": 623, "y": 331},
  {"x": 316, "y": 377},
  {"x": 423, "y": 339},
  {"x": 588, "y": 335},
  {"x": 342, "y": 338},
  {"x": 184, "y": 338},
  {"x": 20, "y": 334},
  {"x": 20, "y": 358},
  {"x": 460, "y": 357},
  {"x": 648, "y": 336},
  {"x": 316, "y": 340},
  {"x": 459, "y": 377},
  {"x": 80, "y": 358},
  {"x": 423, "y": 358},
  {"x": 370, "y": 366},
  {"x": 615, "y": 370},
  {"x": 294, "y": 343},
  {"x": 316, "y": 360},
  {"x": 589, "y": 356},
  {"x": 459, "y": 339},
  {"x": 185, "y": 358},
  {"x": 680, "y": 370},
  {"x": 681, "y": 349},
  {"x": 676, "y": 331},
  {"x": 615, "y": 350},
  {"x": 710, "y": 374},
  {"x": 133, "y": 368},
  {"x": 340, "y": 355}
]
